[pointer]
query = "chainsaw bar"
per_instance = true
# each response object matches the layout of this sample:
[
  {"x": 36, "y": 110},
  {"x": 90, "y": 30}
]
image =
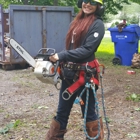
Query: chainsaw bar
[{"x": 25, "y": 55}]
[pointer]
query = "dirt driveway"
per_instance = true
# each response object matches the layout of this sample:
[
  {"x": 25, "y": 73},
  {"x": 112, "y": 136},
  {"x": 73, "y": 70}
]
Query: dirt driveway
[{"x": 27, "y": 106}]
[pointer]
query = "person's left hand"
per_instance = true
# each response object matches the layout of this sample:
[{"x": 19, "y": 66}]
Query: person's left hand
[{"x": 54, "y": 58}]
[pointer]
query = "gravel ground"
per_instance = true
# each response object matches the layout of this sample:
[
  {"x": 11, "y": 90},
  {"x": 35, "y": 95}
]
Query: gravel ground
[{"x": 27, "y": 106}]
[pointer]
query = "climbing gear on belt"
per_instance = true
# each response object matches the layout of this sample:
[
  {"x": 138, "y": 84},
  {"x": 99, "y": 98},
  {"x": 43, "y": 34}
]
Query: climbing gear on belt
[
  {"x": 88, "y": 85},
  {"x": 88, "y": 76},
  {"x": 88, "y": 71}
]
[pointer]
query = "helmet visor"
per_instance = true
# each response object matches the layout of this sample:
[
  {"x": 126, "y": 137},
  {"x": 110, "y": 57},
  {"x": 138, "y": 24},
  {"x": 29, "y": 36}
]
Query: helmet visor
[{"x": 92, "y": 2}]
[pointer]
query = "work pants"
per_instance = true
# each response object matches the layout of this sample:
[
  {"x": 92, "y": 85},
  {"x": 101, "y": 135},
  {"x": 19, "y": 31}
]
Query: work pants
[{"x": 65, "y": 106}]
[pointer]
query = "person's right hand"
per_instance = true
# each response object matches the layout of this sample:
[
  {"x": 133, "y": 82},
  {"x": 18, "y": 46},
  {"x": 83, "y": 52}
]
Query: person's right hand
[{"x": 54, "y": 58}]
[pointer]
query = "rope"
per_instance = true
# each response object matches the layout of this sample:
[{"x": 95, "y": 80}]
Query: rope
[
  {"x": 103, "y": 105},
  {"x": 92, "y": 86},
  {"x": 87, "y": 87}
]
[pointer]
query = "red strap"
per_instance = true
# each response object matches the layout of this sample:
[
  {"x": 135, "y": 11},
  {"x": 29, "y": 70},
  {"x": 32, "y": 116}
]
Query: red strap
[
  {"x": 80, "y": 82},
  {"x": 94, "y": 64},
  {"x": 95, "y": 81}
]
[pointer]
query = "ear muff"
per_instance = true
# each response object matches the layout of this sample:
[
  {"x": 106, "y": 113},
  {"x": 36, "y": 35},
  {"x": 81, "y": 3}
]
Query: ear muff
[
  {"x": 79, "y": 3},
  {"x": 99, "y": 12}
]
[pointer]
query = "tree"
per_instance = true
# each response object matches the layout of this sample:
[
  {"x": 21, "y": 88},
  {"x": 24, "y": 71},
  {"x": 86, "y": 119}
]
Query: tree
[
  {"x": 112, "y": 6},
  {"x": 136, "y": 1}
]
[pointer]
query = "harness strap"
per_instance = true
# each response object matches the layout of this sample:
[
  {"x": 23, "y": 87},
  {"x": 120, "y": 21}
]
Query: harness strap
[
  {"x": 74, "y": 66},
  {"x": 84, "y": 66},
  {"x": 94, "y": 65},
  {"x": 80, "y": 82}
]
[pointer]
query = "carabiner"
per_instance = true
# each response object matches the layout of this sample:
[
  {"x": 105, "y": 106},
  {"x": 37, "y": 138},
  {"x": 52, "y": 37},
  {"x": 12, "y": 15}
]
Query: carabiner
[{"x": 87, "y": 69}]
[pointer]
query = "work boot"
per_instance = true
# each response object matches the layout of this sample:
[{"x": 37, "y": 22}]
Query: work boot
[
  {"x": 54, "y": 132},
  {"x": 92, "y": 129}
]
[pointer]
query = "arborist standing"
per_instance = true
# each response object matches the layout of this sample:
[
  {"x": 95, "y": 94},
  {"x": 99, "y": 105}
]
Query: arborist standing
[{"x": 78, "y": 66}]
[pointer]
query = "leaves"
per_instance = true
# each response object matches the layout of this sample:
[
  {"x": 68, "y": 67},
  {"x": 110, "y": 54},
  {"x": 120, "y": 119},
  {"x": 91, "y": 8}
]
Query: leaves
[
  {"x": 4, "y": 130},
  {"x": 132, "y": 135},
  {"x": 133, "y": 97},
  {"x": 107, "y": 119},
  {"x": 9, "y": 126},
  {"x": 112, "y": 7},
  {"x": 137, "y": 109},
  {"x": 136, "y": 1}
]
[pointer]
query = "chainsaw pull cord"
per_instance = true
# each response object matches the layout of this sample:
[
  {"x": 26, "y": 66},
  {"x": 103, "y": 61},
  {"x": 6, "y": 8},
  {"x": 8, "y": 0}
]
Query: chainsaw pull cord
[{"x": 103, "y": 105}]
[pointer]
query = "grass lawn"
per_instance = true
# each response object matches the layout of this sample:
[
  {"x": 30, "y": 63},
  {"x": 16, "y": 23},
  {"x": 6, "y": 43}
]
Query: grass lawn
[{"x": 105, "y": 52}]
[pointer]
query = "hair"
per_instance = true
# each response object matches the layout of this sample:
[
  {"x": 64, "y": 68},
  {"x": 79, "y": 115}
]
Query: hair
[{"x": 80, "y": 26}]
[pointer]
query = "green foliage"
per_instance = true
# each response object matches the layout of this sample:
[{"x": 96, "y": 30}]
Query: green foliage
[
  {"x": 130, "y": 19},
  {"x": 130, "y": 13},
  {"x": 4, "y": 3},
  {"x": 134, "y": 20},
  {"x": 136, "y": 1},
  {"x": 132, "y": 135},
  {"x": 111, "y": 6},
  {"x": 10, "y": 126},
  {"x": 106, "y": 46},
  {"x": 131, "y": 9},
  {"x": 73, "y": 3},
  {"x": 114, "y": 6},
  {"x": 105, "y": 52},
  {"x": 124, "y": 15},
  {"x": 107, "y": 119},
  {"x": 133, "y": 97},
  {"x": 114, "y": 24},
  {"x": 137, "y": 109}
]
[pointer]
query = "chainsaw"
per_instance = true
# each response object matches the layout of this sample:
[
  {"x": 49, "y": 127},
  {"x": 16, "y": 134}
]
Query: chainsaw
[{"x": 45, "y": 70}]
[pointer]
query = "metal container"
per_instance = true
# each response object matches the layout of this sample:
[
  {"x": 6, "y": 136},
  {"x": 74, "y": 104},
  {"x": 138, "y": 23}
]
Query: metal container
[{"x": 34, "y": 27}]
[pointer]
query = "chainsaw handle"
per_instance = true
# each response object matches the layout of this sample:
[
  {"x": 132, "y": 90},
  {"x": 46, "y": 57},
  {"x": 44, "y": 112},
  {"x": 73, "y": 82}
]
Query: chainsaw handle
[
  {"x": 55, "y": 69},
  {"x": 44, "y": 53},
  {"x": 47, "y": 50}
]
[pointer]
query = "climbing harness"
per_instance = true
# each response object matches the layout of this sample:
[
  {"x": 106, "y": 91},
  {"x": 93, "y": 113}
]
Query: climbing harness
[
  {"x": 86, "y": 68},
  {"x": 90, "y": 82}
]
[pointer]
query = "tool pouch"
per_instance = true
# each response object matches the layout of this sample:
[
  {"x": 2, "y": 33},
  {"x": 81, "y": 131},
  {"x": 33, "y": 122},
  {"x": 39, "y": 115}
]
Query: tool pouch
[{"x": 68, "y": 73}]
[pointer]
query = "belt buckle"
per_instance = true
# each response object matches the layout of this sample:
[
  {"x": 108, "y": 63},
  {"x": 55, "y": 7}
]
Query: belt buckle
[{"x": 70, "y": 65}]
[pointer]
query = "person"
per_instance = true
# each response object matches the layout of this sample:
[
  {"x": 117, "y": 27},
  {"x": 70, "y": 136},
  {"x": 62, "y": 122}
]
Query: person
[{"x": 84, "y": 36}]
